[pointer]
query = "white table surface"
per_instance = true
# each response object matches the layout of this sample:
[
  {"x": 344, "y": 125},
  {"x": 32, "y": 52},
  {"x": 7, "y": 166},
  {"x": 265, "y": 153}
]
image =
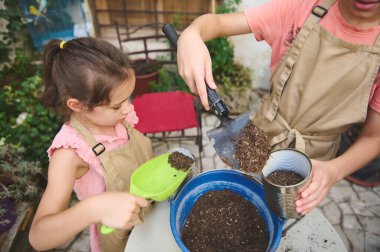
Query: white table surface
[{"x": 312, "y": 233}]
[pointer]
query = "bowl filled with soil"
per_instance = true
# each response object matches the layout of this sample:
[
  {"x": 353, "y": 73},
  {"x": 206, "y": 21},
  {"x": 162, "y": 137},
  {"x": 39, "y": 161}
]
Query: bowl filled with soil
[
  {"x": 286, "y": 173},
  {"x": 223, "y": 210}
]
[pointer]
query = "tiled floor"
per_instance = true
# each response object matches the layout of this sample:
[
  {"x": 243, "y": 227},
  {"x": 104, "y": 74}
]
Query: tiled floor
[{"x": 354, "y": 211}]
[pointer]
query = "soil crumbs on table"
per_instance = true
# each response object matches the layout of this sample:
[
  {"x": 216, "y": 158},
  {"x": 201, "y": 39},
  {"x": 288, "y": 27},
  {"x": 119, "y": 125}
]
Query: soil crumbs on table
[
  {"x": 225, "y": 221},
  {"x": 252, "y": 148},
  {"x": 180, "y": 161},
  {"x": 284, "y": 178}
]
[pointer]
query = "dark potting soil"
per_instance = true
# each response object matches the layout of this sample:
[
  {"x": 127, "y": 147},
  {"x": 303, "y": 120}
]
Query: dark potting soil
[
  {"x": 284, "y": 178},
  {"x": 180, "y": 161},
  {"x": 252, "y": 148},
  {"x": 224, "y": 221}
]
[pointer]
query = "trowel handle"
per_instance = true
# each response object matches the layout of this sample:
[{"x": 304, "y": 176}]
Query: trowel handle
[
  {"x": 215, "y": 101},
  {"x": 171, "y": 34}
]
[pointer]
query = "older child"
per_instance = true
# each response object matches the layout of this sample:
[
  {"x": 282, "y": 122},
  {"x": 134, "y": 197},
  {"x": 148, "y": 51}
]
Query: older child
[
  {"x": 325, "y": 77},
  {"x": 88, "y": 81}
]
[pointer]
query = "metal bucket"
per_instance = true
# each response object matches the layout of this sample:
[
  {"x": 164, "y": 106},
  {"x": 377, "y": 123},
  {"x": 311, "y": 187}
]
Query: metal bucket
[
  {"x": 280, "y": 199},
  {"x": 237, "y": 182}
]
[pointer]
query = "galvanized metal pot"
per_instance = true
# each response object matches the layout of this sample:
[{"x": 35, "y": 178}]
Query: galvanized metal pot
[{"x": 280, "y": 199}]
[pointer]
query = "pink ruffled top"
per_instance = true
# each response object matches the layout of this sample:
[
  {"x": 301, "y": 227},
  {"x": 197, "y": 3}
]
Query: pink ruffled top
[{"x": 92, "y": 182}]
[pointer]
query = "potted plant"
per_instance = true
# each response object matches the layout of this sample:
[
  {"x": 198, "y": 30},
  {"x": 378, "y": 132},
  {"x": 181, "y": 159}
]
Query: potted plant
[
  {"x": 20, "y": 180},
  {"x": 146, "y": 71}
]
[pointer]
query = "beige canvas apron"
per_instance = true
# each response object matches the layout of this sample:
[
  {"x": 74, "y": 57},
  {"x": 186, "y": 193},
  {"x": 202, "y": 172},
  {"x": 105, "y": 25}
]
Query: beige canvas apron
[
  {"x": 320, "y": 87},
  {"x": 118, "y": 165}
]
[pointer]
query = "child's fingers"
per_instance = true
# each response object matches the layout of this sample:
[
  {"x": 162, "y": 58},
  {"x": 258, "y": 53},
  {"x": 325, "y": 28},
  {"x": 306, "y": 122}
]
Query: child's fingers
[
  {"x": 208, "y": 75},
  {"x": 141, "y": 202},
  {"x": 311, "y": 189},
  {"x": 202, "y": 92},
  {"x": 303, "y": 201},
  {"x": 131, "y": 221},
  {"x": 304, "y": 209}
]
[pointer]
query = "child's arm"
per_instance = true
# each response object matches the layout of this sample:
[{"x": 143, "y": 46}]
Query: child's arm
[
  {"x": 55, "y": 223},
  {"x": 194, "y": 62},
  {"x": 327, "y": 173}
]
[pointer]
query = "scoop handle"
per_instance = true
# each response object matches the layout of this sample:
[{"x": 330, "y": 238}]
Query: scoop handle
[
  {"x": 215, "y": 101},
  {"x": 106, "y": 229}
]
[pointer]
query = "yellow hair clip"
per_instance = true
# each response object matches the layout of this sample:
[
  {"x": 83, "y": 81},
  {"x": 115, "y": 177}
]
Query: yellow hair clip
[{"x": 62, "y": 44}]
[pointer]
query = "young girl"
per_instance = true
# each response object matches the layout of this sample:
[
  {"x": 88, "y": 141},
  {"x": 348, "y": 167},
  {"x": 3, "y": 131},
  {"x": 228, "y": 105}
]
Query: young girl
[{"x": 88, "y": 81}]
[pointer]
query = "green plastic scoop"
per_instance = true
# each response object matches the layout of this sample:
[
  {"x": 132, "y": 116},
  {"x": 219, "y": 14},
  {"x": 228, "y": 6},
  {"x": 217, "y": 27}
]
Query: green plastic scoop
[{"x": 156, "y": 179}]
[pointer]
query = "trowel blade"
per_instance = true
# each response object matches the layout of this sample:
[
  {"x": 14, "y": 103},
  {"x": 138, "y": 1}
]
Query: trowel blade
[{"x": 224, "y": 138}]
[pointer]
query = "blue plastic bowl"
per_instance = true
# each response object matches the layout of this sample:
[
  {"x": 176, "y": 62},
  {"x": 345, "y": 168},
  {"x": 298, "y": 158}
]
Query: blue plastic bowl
[{"x": 253, "y": 191}]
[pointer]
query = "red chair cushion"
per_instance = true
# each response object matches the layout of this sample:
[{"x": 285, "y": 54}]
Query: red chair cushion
[{"x": 165, "y": 111}]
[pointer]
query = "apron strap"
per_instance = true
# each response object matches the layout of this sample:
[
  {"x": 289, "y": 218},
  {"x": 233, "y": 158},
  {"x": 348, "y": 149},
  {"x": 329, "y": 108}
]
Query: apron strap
[
  {"x": 291, "y": 134},
  {"x": 291, "y": 55},
  {"x": 129, "y": 127},
  {"x": 376, "y": 45},
  {"x": 97, "y": 147}
]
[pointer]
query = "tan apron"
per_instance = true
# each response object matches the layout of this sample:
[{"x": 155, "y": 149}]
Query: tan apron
[
  {"x": 321, "y": 86},
  {"x": 118, "y": 165}
]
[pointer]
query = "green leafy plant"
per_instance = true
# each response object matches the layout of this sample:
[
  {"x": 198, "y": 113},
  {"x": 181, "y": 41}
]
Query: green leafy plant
[
  {"x": 238, "y": 79},
  {"x": 169, "y": 80},
  {"x": 24, "y": 121},
  {"x": 12, "y": 17},
  {"x": 19, "y": 179},
  {"x": 222, "y": 55},
  {"x": 228, "y": 6},
  {"x": 178, "y": 24}
]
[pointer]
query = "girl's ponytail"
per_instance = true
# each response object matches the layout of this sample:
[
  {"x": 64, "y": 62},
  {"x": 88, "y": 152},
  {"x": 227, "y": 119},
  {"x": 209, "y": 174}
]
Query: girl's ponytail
[{"x": 50, "y": 95}]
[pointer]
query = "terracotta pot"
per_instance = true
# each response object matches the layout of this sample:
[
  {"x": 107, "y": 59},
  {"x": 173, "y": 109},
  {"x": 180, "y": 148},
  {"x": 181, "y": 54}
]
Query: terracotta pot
[{"x": 143, "y": 80}]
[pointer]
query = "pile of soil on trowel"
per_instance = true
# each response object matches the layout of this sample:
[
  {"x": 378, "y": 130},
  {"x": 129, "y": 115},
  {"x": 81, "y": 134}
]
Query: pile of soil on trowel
[
  {"x": 180, "y": 161},
  {"x": 224, "y": 221},
  {"x": 252, "y": 148},
  {"x": 284, "y": 178}
]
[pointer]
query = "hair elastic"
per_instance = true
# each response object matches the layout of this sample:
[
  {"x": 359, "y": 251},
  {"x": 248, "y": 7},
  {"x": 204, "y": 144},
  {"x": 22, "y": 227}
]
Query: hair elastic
[{"x": 62, "y": 44}]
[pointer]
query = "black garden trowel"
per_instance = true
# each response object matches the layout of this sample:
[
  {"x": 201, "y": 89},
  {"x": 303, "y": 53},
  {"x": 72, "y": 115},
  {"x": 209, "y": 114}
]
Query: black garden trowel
[{"x": 225, "y": 135}]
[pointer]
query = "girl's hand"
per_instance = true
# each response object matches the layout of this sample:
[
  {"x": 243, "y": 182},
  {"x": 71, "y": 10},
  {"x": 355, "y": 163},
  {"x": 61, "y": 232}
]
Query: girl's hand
[
  {"x": 119, "y": 209},
  {"x": 323, "y": 178},
  {"x": 194, "y": 64}
]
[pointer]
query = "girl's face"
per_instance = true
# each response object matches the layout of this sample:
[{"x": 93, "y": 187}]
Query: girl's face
[
  {"x": 116, "y": 110},
  {"x": 361, "y": 13}
]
